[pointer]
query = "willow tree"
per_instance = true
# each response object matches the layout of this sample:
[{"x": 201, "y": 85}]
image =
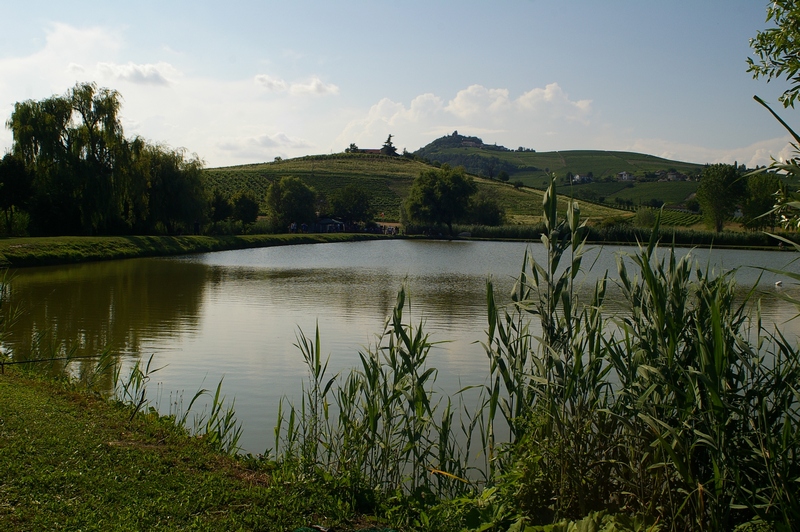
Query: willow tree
[
  {"x": 72, "y": 143},
  {"x": 90, "y": 179}
]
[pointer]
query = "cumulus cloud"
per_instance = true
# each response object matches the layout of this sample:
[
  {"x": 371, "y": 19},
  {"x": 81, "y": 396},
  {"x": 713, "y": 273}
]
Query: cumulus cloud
[
  {"x": 148, "y": 74},
  {"x": 477, "y": 100},
  {"x": 270, "y": 84},
  {"x": 314, "y": 86}
]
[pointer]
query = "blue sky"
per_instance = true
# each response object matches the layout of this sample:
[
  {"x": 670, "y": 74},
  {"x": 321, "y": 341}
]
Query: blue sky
[{"x": 250, "y": 81}]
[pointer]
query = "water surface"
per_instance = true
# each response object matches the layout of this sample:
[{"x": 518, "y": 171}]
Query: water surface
[{"x": 236, "y": 314}]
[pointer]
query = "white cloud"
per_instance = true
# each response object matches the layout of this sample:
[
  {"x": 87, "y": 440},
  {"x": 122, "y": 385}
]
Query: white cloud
[
  {"x": 270, "y": 84},
  {"x": 148, "y": 74},
  {"x": 477, "y": 100},
  {"x": 313, "y": 86},
  {"x": 557, "y": 101},
  {"x": 261, "y": 147}
]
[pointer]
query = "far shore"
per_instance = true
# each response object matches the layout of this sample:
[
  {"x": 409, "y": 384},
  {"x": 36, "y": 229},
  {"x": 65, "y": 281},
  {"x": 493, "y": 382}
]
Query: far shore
[
  {"x": 50, "y": 251},
  {"x": 26, "y": 252}
]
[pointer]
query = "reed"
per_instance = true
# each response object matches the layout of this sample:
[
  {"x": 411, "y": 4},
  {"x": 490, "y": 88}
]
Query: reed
[{"x": 679, "y": 412}]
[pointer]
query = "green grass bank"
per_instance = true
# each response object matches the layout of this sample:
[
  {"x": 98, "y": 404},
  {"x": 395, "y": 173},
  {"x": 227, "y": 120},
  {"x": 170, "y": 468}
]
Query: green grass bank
[
  {"x": 47, "y": 251},
  {"x": 70, "y": 460}
]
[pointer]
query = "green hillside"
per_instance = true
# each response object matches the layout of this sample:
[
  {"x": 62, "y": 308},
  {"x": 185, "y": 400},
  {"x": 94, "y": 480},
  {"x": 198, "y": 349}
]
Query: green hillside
[
  {"x": 387, "y": 179},
  {"x": 532, "y": 168}
]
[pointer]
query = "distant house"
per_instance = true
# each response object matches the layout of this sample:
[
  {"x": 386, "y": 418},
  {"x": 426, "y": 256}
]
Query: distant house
[
  {"x": 371, "y": 151},
  {"x": 471, "y": 144},
  {"x": 625, "y": 176},
  {"x": 577, "y": 179}
]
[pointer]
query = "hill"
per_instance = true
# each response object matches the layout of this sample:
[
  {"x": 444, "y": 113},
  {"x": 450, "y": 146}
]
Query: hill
[
  {"x": 387, "y": 179},
  {"x": 532, "y": 167}
]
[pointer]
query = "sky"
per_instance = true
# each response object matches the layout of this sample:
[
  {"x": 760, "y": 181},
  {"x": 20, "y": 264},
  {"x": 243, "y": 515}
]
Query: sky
[{"x": 246, "y": 81}]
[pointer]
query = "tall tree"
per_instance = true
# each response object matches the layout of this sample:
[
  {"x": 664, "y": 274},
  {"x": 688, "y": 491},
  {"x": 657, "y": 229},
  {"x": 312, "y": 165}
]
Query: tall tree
[
  {"x": 388, "y": 148},
  {"x": 439, "y": 196},
  {"x": 245, "y": 207},
  {"x": 89, "y": 179},
  {"x": 289, "y": 200},
  {"x": 763, "y": 192},
  {"x": 72, "y": 143},
  {"x": 720, "y": 189},
  {"x": 351, "y": 204},
  {"x": 778, "y": 56},
  {"x": 220, "y": 207},
  {"x": 177, "y": 194}
]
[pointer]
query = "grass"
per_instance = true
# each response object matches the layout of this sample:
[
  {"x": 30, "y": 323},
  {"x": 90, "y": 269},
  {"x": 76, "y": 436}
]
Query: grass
[
  {"x": 42, "y": 251},
  {"x": 73, "y": 461}
]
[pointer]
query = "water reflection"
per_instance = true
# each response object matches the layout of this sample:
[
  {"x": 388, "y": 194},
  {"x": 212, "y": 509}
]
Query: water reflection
[
  {"x": 108, "y": 304},
  {"x": 236, "y": 313}
]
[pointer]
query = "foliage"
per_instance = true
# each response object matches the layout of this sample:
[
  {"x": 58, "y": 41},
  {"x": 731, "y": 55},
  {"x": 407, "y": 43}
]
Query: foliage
[
  {"x": 645, "y": 217},
  {"x": 219, "y": 205},
  {"x": 721, "y": 187},
  {"x": 351, "y": 204},
  {"x": 244, "y": 207},
  {"x": 15, "y": 187},
  {"x": 680, "y": 412},
  {"x": 439, "y": 196},
  {"x": 176, "y": 194},
  {"x": 778, "y": 48},
  {"x": 89, "y": 179},
  {"x": 388, "y": 148},
  {"x": 759, "y": 200},
  {"x": 289, "y": 200},
  {"x": 485, "y": 209}
]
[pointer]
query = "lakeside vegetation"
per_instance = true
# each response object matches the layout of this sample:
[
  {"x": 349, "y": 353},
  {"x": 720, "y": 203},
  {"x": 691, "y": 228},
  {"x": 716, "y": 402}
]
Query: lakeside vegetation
[{"x": 44, "y": 251}]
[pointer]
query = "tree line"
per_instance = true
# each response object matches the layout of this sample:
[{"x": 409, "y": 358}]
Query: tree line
[{"x": 72, "y": 171}]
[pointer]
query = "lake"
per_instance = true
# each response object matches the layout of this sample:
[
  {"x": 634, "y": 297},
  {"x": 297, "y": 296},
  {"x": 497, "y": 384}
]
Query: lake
[{"x": 236, "y": 314}]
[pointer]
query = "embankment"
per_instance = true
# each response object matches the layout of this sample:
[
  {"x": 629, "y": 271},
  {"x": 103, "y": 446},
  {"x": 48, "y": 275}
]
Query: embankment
[{"x": 46, "y": 251}]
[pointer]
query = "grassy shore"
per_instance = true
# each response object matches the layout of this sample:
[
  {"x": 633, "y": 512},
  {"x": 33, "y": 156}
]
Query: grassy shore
[
  {"x": 70, "y": 460},
  {"x": 45, "y": 251}
]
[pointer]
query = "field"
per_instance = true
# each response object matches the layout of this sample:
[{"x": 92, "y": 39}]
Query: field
[{"x": 386, "y": 179}]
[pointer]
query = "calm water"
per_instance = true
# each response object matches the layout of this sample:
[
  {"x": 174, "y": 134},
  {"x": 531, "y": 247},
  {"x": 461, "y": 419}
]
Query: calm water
[{"x": 236, "y": 314}]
